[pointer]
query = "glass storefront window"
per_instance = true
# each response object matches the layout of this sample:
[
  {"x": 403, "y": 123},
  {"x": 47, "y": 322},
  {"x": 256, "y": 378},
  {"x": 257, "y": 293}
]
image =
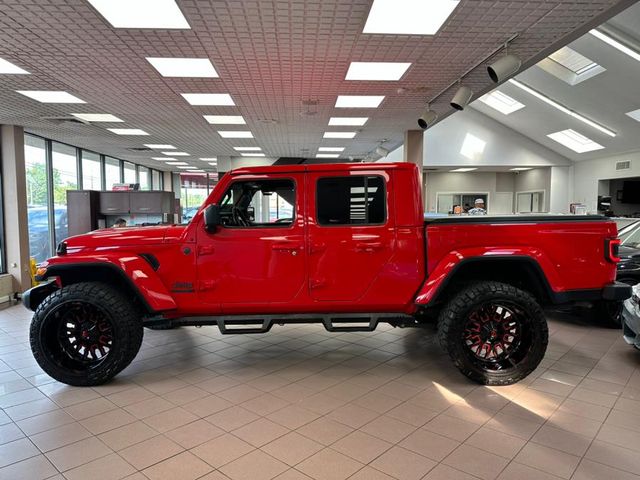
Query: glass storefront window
[
  {"x": 145, "y": 178},
  {"x": 37, "y": 197},
  {"x": 91, "y": 171},
  {"x": 111, "y": 172},
  {"x": 65, "y": 177},
  {"x": 155, "y": 180},
  {"x": 193, "y": 193},
  {"x": 129, "y": 173}
]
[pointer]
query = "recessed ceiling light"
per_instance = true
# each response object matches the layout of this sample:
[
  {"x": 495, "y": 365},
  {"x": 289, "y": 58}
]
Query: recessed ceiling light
[
  {"x": 247, "y": 149},
  {"x": 195, "y": 170},
  {"x": 386, "y": 71},
  {"x": 635, "y": 114},
  {"x": 331, "y": 149},
  {"x": 184, "y": 67},
  {"x": 176, "y": 154},
  {"x": 520, "y": 169},
  {"x": 327, "y": 155},
  {"x": 408, "y": 17},
  {"x": 162, "y": 159},
  {"x": 214, "y": 99},
  {"x": 177, "y": 163},
  {"x": 351, "y": 121},
  {"x": 9, "y": 68},
  {"x": 339, "y": 134},
  {"x": 127, "y": 131},
  {"x": 575, "y": 141},
  {"x": 615, "y": 44},
  {"x": 213, "y": 164},
  {"x": 159, "y": 146},
  {"x": 472, "y": 147},
  {"x": 501, "y": 102},
  {"x": 235, "y": 134},
  {"x": 159, "y": 14},
  {"x": 359, "y": 101},
  {"x": 562, "y": 108},
  {"x": 225, "y": 119},
  {"x": 252, "y": 154},
  {"x": 209, "y": 159},
  {"x": 463, "y": 170},
  {"x": 97, "y": 117},
  {"x": 187, "y": 168},
  {"x": 50, "y": 96}
]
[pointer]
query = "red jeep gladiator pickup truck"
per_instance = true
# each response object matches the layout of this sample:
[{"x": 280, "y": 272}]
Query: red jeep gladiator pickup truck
[{"x": 342, "y": 245}]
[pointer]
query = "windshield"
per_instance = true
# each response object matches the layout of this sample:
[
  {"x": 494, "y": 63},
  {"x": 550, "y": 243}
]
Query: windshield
[{"x": 631, "y": 237}]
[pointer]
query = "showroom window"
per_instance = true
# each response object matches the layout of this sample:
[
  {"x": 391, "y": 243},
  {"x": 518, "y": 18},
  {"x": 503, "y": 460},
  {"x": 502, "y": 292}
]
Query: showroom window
[
  {"x": 354, "y": 200},
  {"x": 65, "y": 177},
  {"x": 91, "y": 171},
  {"x": 112, "y": 172},
  {"x": 144, "y": 178},
  {"x": 35, "y": 157},
  {"x": 155, "y": 180},
  {"x": 193, "y": 192},
  {"x": 259, "y": 203},
  {"x": 129, "y": 172}
]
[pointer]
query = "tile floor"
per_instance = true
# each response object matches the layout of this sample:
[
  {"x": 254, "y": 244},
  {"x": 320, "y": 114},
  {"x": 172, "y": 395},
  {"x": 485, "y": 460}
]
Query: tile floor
[{"x": 301, "y": 403}]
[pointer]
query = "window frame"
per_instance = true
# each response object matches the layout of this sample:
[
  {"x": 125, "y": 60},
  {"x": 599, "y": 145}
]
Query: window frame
[
  {"x": 353, "y": 225},
  {"x": 267, "y": 225}
]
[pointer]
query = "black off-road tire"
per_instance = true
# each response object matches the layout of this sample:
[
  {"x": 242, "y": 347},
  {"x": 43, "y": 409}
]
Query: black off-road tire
[
  {"x": 456, "y": 314},
  {"x": 107, "y": 304},
  {"x": 608, "y": 313}
]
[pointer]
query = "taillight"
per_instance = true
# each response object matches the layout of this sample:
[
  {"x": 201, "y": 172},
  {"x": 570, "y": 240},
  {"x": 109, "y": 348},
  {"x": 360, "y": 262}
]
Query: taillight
[{"x": 612, "y": 249}]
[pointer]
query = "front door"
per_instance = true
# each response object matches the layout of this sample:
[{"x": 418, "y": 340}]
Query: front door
[
  {"x": 350, "y": 235},
  {"x": 257, "y": 256}
]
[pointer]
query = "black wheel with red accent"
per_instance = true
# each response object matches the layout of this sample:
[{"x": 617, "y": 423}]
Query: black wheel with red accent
[
  {"x": 85, "y": 333},
  {"x": 495, "y": 333}
]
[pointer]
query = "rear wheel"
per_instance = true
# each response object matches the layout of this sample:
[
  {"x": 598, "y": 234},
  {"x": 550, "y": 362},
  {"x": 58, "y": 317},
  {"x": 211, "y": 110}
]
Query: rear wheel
[
  {"x": 495, "y": 334},
  {"x": 84, "y": 334},
  {"x": 609, "y": 313}
]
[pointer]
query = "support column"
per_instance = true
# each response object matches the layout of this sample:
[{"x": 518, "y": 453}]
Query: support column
[
  {"x": 15, "y": 206},
  {"x": 414, "y": 153}
]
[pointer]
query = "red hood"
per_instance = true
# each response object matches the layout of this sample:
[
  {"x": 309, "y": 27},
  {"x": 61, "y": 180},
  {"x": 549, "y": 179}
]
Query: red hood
[{"x": 123, "y": 237}]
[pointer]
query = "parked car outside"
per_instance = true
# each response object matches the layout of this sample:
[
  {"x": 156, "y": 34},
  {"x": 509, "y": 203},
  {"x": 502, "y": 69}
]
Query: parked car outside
[
  {"x": 39, "y": 238},
  {"x": 631, "y": 318}
]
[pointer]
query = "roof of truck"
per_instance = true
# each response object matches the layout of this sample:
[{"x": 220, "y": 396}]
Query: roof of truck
[{"x": 323, "y": 167}]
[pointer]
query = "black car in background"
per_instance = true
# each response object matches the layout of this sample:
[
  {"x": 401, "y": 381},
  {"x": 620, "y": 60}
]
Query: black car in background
[{"x": 629, "y": 266}]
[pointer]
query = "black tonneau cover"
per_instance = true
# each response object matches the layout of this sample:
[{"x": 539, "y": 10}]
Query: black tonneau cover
[{"x": 515, "y": 219}]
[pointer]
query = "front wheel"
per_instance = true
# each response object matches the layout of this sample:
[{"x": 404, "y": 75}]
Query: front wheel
[
  {"x": 495, "y": 333},
  {"x": 85, "y": 333}
]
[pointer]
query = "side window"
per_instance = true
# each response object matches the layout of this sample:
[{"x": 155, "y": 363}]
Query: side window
[
  {"x": 353, "y": 200},
  {"x": 259, "y": 203}
]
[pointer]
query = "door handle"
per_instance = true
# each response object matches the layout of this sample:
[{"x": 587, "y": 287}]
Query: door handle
[
  {"x": 205, "y": 250},
  {"x": 316, "y": 247},
  {"x": 287, "y": 247},
  {"x": 368, "y": 247}
]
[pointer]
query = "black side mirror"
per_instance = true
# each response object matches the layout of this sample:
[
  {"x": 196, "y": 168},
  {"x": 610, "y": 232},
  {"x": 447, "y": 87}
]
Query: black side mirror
[{"x": 211, "y": 218}]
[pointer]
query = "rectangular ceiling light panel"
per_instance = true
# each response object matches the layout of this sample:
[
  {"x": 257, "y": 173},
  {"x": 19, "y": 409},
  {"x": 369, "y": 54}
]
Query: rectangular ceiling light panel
[
  {"x": 327, "y": 155},
  {"x": 408, "y": 17},
  {"x": 635, "y": 114},
  {"x": 374, "y": 71},
  {"x": 225, "y": 119},
  {"x": 359, "y": 101},
  {"x": 159, "y": 146},
  {"x": 339, "y": 134},
  {"x": 501, "y": 102},
  {"x": 462, "y": 170},
  {"x": 575, "y": 141},
  {"x": 158, "y": 14},
  {"x": 8, "y": 68},
  {"x": 247, "y": 149},
  {"x": 98, "y": 117},
  {"x": 209, "y": 99},
  {"x": 235, "y": 134},
  {"x": 252, "y": 154},
  {"x": 184, "y": 67},
  {"x": 127, "y": 131},
  {"x": 176, "y": 154},
  {"x": 348, "y": 121},
  {"x": 50, "y": 96},
  {"x": 331, "y": 149}
]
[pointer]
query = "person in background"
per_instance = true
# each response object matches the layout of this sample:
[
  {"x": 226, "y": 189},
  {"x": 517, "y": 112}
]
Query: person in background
[
  {"x": 478, "y": 208},
  {"x": 457, "y": 210},
  {"x": 466, "y": 208},
  {"x": 119, "y": 223}
]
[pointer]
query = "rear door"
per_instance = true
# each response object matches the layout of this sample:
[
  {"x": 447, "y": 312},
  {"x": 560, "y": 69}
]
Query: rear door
[{"x": 350, "y": 234}]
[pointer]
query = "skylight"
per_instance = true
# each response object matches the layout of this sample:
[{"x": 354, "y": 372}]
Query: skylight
[
  {"x": 184, "y": 67},
  {"x": 462, "y": 170},
  {"x": 570, "y": 66},
  {"x": 247, "y": 149},
  {"x": 575, "y": 141},
  {"x": 127, "y": 131},
  {"x": 384, "y": 71},
  {"x": 327, "y": 155},
  {"x": 339, "y": 134},
  {"x": 359, "y": 101},
  {"x": 225, "y": 119},
  {"x": 350, "y": 121},
  {"x": 97, "y": 117},
  {"x": 635, "y": 114},
  {"x": 472, "y": 147},
  {"x": 574, "y": 61},
  {"x": 408, "y": 17},
  {"x": 501, "y": 102},
  {"x": 8, "y": 68},
  {"x": 235, "y": 134},
  {"x": 213, "y": 99},
  {"x": 159, "y": 146},
  {"x": 159, "y": 14},
  {"x": 331, "y": 149},
  {"x": 50, "y": 96}
]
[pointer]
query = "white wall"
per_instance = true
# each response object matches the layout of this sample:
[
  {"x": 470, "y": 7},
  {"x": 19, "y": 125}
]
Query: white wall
[
  {"x": 560, "y": 189},
  {"x": 538, "y": 179}
]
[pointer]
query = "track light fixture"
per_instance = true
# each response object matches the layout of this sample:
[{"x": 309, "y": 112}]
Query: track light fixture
[
  {"x": 427, "y": 119},
  {"x": 462, "y": 98},
  {"x": 504, "y": 68}
]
